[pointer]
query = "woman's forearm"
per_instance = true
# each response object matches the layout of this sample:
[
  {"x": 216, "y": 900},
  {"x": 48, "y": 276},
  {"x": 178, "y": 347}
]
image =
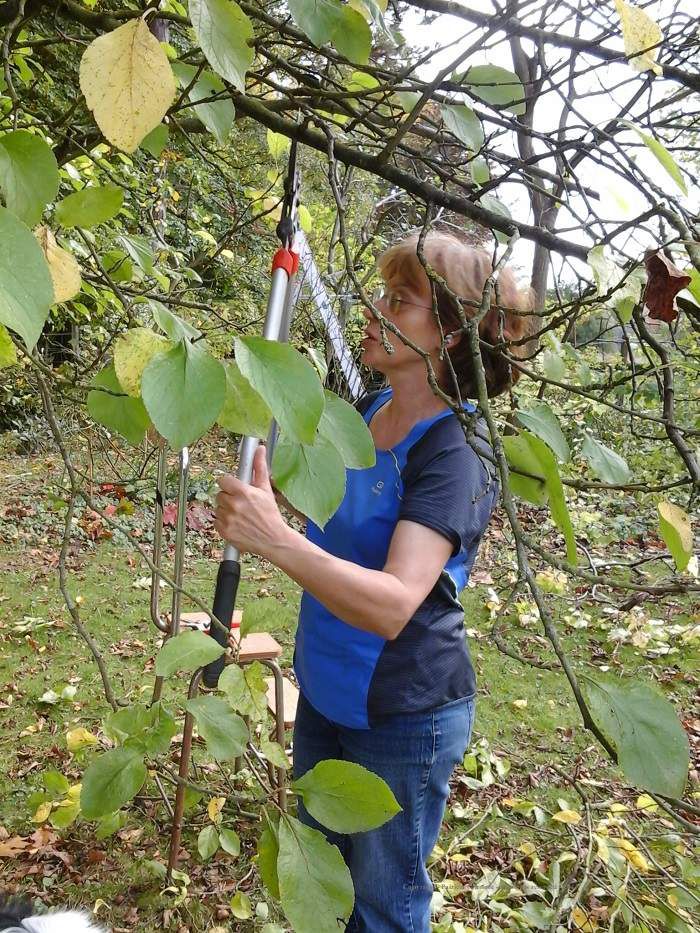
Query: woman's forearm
[{"x": 372, "y": 600}]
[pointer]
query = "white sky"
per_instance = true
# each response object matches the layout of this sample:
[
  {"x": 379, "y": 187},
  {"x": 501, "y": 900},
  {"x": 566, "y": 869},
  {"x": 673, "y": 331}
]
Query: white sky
[{"x": 619, "y": 200}]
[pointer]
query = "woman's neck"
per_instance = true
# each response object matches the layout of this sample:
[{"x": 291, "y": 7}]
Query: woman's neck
[{"x": 411, "y": 402}]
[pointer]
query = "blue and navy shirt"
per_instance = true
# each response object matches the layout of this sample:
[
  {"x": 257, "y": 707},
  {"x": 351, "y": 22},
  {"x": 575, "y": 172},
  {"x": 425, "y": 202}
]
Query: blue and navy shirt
[{"x": 433, "y": 477}]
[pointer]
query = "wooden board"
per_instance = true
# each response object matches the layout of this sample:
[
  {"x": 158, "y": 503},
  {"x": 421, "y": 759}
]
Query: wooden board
[{"x": 291, "y": 698}]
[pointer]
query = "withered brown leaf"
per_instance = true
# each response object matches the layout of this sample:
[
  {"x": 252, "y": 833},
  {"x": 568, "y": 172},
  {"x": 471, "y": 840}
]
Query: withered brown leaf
[{"x": 663, "y": 284}]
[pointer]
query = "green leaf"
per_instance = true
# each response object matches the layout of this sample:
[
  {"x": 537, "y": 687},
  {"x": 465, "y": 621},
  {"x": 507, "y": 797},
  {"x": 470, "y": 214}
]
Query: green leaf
[
  {"x": 331, "y": 21},
  {"x": 139, "y": 248},
  {"x": 286, "y": 381},
  {"x": 662, "y": 154},
  {"x": 346, "y": 797},
  {"x": 267, "y": 614},
  {"x": 26, "y": 288},
  {"x": 207, "y": 842},
  {"x": 480, "y": 171},
  {"x": 8, "y": 351},
  {"x": 676, "y": 531},
  {"x": 605, "y": 272},
  {"x": 156, "y": 141},
  {"x": 110, "y": 824},
  {"x": 230, "y": 841},
  {"x": 56, "y": 784},
  {"x": 541, "y": 420},
  {"x": 187, "y": 651},
  {"x": 497, "y": 86},
  {"x": 126, "y": 722},
  {"x": 529, "y": 454},
  {"x": 274, "y": 752},
  {"x": 651, "y": 744},
  {"x": 149, "y": 729},
  {"x": 65, "y": 813},
  {"x": 312, "y": 478},
  {"x": 183, "y": 391},
  {"x": 224, "y": 31},
  {"x": 133, "y": 351},
  {"x": 278, "y": 144},
  {"x": 244, "y": 411},
  {"x": 111, "y": 781},
  {"x": 90, "y": 207},
  {"x": 241, "y": 907},
  {"x": 118, "y": 265},
  {"x": 628, "y": 294},
  {"x": 216, "y": 115},
  {"x": 174, "y": 326},
  {"x": 407, "y": 100},
  {"x": 491, "y": 203},
  {"x": 160, "y": 730},
  {"x": 268, "y": 852},
  {"x": 526, "y": 478},
  {"x": 464, "y": 124},
  {"x": 118, "y": 412},
  {"x": 554, "y": 366},
  {"x": 346, "y": 429},
  {"x": 245, "y": 689},
  {"x": 29, "y": 176},
  {"x": 224, "y": 732},
  {"x": 538, "y": 916},
  {"x": 315, "y": 886},
  {"x": 607, "y": 465}
]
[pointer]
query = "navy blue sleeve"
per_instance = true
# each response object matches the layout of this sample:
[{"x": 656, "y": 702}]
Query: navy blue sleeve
[{"x": 449, "y": 486}]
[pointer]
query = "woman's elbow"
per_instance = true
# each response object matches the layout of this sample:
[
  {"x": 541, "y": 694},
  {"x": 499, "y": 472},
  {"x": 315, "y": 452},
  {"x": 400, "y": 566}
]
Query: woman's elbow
[{"x": 394, "y": 622}]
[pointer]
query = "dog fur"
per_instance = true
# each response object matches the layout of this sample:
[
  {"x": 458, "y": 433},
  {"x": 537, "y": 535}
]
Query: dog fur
[{"x": 18, "y": 916}]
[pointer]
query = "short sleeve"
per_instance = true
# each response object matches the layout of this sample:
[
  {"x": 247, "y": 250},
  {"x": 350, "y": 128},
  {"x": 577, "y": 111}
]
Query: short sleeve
[{"x": 449, "y": 487}]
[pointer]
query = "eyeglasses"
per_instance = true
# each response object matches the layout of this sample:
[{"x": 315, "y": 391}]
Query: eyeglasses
[{"x": 382, "y": 293}]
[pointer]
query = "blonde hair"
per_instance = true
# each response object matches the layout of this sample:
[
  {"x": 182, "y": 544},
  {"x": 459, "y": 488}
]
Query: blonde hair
[{"x": 465, "y": 269}]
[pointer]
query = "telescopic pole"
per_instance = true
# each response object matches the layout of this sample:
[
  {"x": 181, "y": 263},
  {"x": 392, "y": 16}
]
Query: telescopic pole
[{"x": 284, "y": 268}]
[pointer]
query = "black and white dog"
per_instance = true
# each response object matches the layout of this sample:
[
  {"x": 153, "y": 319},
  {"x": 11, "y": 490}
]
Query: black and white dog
[{"x": 17, "y": 916}]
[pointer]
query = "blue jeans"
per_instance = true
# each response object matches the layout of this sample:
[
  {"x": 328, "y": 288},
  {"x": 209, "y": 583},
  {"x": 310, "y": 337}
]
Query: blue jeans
[{"x": 415, "y": 754}]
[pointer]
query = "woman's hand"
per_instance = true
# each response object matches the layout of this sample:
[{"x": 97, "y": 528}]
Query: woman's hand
[{"x": 247, "y": 514}]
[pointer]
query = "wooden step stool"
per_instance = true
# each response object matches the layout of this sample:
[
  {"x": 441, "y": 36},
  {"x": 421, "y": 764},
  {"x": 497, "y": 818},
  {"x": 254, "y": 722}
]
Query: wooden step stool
[{"x": 291, "y": 699}]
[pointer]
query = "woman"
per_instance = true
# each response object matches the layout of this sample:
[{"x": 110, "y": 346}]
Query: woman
[{"x": 381, "y": 655}]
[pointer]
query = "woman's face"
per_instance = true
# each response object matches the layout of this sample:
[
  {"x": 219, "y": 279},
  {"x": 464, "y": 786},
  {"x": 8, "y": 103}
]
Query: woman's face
[{"x": 409, "y": 308}]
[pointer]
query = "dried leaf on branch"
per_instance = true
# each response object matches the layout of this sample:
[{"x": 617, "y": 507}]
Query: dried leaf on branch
[{"x": 663, "y": 284}]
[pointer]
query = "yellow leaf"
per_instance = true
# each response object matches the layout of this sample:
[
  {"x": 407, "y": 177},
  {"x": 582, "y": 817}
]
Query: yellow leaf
[
  {"x": 527, "y": 848},
  {"x": 79, "y": 738},
  {"x": 567, "y": 816},
  {"x": 618, "y": 808},
  {"x": 42, "y": 813},
  {"x": 216, "y": 805},
  {"x": 647, "y": 803},
  {"x": 128, "y": 83},
  {"x": 582, "y": 921},
  {"x": 520, "y": 704},
  {"x": 631, "y": 853},
  {"x": 63, "y": 266},
  {"x": 133, "y": 351},
  {"x": 603, "y": 849},
  {"x": 639, "y": 32}
]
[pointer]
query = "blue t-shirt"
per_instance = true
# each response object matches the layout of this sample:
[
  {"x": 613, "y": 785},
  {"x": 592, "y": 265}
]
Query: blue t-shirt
[{"x": 438, "y": 479}]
